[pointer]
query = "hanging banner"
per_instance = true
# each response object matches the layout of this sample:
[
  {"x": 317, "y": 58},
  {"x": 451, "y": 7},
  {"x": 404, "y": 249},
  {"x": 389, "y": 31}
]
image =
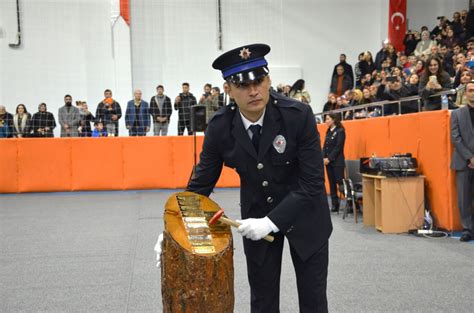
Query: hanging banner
[
  {"x": 397, "y": 23},
  {"x": 125, "y": 10}
]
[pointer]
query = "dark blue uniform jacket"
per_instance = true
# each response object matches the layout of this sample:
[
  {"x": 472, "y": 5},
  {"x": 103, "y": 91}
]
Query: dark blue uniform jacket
[{"x": 287, "y": 187}]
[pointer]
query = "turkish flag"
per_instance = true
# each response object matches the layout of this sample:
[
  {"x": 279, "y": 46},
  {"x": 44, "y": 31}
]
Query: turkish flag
[{"x": 397, "y": 25}]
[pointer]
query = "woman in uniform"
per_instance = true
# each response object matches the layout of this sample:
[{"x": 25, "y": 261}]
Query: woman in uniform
[{"x": 333, "y": 153}]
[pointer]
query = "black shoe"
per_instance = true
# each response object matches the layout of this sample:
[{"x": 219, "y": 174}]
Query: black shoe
[
  {"x": 465, "y": 237},
  {"x": 335, "y": 209}
]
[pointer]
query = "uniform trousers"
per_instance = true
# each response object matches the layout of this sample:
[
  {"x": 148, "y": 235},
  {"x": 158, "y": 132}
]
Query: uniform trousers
[
  {"x": 465, "y": 189},
  {"x": 335, "y": 176},
  {"x": 311, "y": 279}
]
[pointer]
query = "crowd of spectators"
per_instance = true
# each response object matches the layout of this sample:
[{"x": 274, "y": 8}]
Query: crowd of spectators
[
  {"x": 77, "y": 121},
  {"x": 432, "y": 61}
]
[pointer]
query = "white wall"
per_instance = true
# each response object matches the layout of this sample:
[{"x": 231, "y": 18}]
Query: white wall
[
  {"x": 424, "y": 12},
  {"x": 66, "y": 49},
  {"x": 176, "y": 41}
]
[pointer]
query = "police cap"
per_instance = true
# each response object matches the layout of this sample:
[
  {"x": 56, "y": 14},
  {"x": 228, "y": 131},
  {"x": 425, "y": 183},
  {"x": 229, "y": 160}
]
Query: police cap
[{"x": 243, "y": 64}]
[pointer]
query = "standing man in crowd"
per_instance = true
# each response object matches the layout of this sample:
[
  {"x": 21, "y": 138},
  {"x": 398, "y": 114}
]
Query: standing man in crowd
[
  {"x": 109, "y": 112},
  {"x": 347, "y": 68},
  {"x": 69, "y": 118},
  {"x": 183, "y": 103},
  {"x": 274, "y": 145},
  {"x": 224, "y": 97},
  {"x": 137, "y": 116},
  {"x": 462, "y": 135},
  {"x": 207, "y": 93},
  {"x": 160, "y": 110}
]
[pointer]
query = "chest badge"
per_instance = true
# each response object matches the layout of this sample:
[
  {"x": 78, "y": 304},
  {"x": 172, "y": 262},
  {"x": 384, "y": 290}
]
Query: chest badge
[{"x": 279, "y": 143}]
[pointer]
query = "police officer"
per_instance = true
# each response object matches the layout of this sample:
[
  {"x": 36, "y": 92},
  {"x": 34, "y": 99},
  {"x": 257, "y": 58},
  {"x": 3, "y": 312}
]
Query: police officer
[
  {"x": 273, "y": 143},
  {"x": 334, "y": 156}
]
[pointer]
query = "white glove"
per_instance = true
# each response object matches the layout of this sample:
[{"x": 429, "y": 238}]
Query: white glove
[
  {"x": 255, "y": 228},
  {"x": 158, "y": 248}
]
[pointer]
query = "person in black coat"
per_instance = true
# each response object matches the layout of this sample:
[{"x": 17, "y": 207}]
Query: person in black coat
[
  {"x": 273, "y": 143},
  {"x": 333, "y": 153},
  {"x": 160, "y": 110},
  {"x": 347, "y": 67},
  {"x": 43, "y": 122},
  {"x": 183, "y": 103}
]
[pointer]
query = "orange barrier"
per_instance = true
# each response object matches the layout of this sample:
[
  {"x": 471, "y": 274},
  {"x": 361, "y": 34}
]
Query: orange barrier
[
  {"x": 119, "y": 163},
  {"x": 122, "y": 163},
  {"x": 427, "y": 136}
]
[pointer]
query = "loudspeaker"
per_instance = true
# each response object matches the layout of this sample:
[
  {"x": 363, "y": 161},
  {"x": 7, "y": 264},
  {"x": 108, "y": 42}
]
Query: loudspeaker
[{"x": 198, "y": 118}]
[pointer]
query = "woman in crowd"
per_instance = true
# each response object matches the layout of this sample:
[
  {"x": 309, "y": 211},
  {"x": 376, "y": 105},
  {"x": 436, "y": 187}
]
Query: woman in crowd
[
  {"x": 449, "y": 40},
  {"x": 412, "y": 84},
  {"x": 367, "y": 65},
  {"x": 419, "y": 68},
  {"x": 43, "y": 122},
  {"x": 461, "y": 99},
  {"x": 299, "y": 93},
  {"x": 333, "y": 153},
  {"x": 21, "y": 122},
  {"x": 331, "y": 104},
  {"x": 433, "y": 80},
  {"x": 410, "y": 41},
  {"x": 423, "y": 48}
]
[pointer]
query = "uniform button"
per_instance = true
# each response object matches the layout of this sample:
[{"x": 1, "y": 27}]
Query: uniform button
[
  {"x": 269, "y": 199},
  {"x": 287, "y": 162},
  {"x": 232, "y": 107},
  {"x": 264, "y": 183},
  {"x": 275, "y": 102},
  {"x": 259, "y": 166}
]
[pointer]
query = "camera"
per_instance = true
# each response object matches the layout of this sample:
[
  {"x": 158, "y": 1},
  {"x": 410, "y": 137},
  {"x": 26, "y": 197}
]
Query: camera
[{"x": 392, "y": 79}]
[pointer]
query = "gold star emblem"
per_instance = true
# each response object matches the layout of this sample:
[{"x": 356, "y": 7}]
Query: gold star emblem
[{"x": 245, "y": 53}]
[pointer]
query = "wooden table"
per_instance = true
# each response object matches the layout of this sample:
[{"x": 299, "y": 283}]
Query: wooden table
[{"x": 393, "y": 204}]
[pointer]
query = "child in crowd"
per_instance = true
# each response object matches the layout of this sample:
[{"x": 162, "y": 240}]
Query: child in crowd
[{"x": 99, "y": 130}]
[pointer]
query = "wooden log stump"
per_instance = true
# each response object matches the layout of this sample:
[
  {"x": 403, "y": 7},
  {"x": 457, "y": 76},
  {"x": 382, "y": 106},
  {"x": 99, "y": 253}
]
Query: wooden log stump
[{"x": 197, "y": 271}]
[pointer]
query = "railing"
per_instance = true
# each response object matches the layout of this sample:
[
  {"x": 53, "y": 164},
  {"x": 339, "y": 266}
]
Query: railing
[{"x": 381, "y": 104}]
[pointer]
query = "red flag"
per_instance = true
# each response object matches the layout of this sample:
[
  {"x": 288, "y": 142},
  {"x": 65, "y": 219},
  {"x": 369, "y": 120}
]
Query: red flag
[
  {"x": 397, "y": 23},
  {"x": 125, "y": 10}
]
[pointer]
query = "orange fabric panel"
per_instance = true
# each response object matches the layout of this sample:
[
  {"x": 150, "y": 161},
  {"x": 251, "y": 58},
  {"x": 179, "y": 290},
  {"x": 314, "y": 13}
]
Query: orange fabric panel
[
  {"x": 433, "y": 160},
  {"x": 376, "y": 136},
  {"x": 405, "y": 134},
  {"x": 147, "y": 162},
  {"x": 8, "y": 166},
  {"x": 44, "y": 165},
  {"x": 229, "y": 178},
  {"x": 183, "y": 158},
  {"x": 97, "y": 163},
  {"x": 453, "y": 196},
  {"x": 355, "y": 143}
]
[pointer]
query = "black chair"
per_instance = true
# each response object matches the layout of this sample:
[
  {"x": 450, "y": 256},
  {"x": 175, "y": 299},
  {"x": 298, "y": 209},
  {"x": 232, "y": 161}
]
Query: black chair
[{"x": 352, "y": 188}]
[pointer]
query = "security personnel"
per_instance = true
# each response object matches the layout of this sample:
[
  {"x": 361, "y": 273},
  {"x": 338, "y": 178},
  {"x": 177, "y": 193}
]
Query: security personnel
[
  {"x": 334, "y": 156},
  {"x": 273, "y": 143}
]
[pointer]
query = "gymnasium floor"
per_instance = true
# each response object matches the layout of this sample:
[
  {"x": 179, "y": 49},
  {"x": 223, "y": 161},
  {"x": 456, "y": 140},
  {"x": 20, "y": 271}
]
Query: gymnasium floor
[{"x": 93, "y": 252}]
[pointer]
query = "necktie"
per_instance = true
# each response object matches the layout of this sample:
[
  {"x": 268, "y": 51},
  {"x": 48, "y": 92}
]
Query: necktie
[{"x": 255, "y": 129}]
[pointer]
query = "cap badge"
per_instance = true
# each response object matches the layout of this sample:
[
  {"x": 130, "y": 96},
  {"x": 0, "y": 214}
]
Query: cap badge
[
  {"x": 245, "y": 53},
  {"x": 279, "y": 143}
]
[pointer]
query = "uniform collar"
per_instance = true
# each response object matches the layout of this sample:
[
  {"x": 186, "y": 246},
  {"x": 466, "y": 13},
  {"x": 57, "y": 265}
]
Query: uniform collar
[{"x": 248, "y": 123}]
